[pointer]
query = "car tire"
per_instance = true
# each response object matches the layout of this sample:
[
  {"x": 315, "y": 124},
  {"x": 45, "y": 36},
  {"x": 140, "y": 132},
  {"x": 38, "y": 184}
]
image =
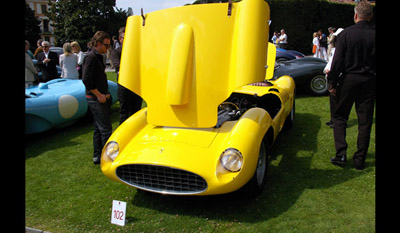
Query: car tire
[
  {"x": 257, "y": 182},
  {"x": 317, "y": 85},
  {"x": 289, "y": 121}
]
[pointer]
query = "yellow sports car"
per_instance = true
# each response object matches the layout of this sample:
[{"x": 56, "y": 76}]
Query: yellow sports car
[{"x": 212, "y": 111}]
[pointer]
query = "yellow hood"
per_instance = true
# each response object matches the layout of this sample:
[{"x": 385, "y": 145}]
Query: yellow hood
[{"x": 185, "y": 61}]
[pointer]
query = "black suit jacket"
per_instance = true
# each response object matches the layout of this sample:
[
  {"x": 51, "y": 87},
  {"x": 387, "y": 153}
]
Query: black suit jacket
[
  {"x": 49, "y": 70},
  {"x": 355, "y": 52}
]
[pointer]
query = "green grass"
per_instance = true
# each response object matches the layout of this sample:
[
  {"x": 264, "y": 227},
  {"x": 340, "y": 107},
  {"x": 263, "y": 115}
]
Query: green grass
[{"x": 65, "y": 192}]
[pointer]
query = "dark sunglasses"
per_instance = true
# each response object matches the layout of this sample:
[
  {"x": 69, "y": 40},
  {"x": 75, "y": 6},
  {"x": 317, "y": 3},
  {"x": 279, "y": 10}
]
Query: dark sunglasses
[{"x": 107, "y": 45}]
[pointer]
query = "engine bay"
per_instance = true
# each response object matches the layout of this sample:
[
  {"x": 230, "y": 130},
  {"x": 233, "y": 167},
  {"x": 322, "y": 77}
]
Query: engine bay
[{"x": 237, "y": 104}]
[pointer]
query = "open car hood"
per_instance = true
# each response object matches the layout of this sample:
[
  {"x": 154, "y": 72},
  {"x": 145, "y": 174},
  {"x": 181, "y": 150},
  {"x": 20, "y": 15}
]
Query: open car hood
[{"x": 185, "y": 61}]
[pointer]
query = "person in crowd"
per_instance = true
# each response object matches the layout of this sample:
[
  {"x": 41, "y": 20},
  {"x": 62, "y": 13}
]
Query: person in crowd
[
  {"x": 68, "y": 63},
  {"x": 282, "y": 41},
  {"x": 275, "y": 37},
  {"x": 323, "y": 44},
  {"x": 129, "y": 102},
  {"x": 30, "y": 70},
  {"x": 39, "y": 48},
  {"x": 116, "y": 42},
  {"x": 47, "y": 62},
  {"x": 316, "y": 50},
  {"x": 352, "y": 80},
  {"x": 29, "y": 52},
  {"x": 330, "y": 37},
  {"x": 76, "y": 49},
  {"x": 95, "y": 80},
  {"x": 327, "y": 68}
]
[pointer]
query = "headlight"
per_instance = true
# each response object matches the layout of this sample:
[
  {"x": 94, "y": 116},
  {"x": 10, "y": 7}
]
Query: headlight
[
  {"x": 111, "y": 150},
  {"x": 232, "y": 160}
]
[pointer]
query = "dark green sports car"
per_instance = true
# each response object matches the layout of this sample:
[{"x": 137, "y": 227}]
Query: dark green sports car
[{"x": 307, "y": 73}]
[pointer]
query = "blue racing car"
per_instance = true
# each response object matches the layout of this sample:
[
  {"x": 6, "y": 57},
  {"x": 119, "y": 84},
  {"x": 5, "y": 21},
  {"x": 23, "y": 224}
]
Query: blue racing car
[{"x": 57, "y": 103}]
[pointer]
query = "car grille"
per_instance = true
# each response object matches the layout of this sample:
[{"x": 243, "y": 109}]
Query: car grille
[{"x": 161, "y": 179}]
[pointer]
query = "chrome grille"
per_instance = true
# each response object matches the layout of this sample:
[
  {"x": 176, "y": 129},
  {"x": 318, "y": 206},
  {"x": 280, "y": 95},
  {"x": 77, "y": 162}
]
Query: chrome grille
[{"x": 161, "y": 179}]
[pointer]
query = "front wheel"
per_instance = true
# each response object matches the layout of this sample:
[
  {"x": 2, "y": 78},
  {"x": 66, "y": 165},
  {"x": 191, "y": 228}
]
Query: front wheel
[
  {"x": 257, "y": 182},
  {"x": 317, "y": 85}
]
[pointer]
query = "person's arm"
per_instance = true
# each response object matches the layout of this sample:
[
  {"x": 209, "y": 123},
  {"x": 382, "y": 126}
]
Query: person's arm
[
  {"x": 80, "y": 55},
  {"x": 338, "y": 59},
  {"x": 30, "y": 66},
  {"x": 100, "y": 97}
]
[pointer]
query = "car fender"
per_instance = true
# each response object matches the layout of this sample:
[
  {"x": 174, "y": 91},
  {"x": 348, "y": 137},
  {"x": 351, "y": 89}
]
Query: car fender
[{"x": 246, "y": 136}]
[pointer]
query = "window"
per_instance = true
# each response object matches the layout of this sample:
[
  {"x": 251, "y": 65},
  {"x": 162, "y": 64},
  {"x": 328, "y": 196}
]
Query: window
[
  {"x": 45, "y": 25},
  {"x": 44, "y": 9}
]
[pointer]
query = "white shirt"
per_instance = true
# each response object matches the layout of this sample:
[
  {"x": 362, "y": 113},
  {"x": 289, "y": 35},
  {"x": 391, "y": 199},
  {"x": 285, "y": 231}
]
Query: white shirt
[
  {"x": 283, "y": 38},
  {"x": 68, "y": 66}
]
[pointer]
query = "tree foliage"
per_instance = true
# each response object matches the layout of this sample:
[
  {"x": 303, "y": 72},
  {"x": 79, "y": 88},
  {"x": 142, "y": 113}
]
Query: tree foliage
[
  {"x": 78, "y": 20},
  {"x": 32, "y": 28}
]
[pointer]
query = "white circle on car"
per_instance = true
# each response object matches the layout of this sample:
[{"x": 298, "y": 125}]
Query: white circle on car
[{"x": 67, "y": 106}]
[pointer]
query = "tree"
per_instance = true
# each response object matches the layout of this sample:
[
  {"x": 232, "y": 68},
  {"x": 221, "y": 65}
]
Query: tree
[
  {"x": 78, "y": 20},
  {"x": 32, "y": 28}
]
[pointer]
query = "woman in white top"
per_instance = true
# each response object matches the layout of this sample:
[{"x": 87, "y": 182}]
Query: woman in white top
[
  {"x": 76, "y": 48},
  {"x": 317, "y": 52},
  {"x": 68, "y": 63}
]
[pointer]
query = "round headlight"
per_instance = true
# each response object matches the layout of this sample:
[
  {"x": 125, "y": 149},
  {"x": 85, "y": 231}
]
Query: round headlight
[
  {"x": 111, "y": 150},
  {"x": 232, "y": 160}
]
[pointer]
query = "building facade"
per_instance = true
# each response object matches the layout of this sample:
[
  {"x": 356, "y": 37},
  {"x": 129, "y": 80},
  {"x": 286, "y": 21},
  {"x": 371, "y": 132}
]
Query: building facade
[{"x": 40, "y": 7}]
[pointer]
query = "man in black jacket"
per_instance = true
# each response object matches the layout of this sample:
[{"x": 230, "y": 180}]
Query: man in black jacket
[
  {"x": 352, "y": 80},
  {"x": 95, "y": 80},
  {"x": 47, "y": 62}
]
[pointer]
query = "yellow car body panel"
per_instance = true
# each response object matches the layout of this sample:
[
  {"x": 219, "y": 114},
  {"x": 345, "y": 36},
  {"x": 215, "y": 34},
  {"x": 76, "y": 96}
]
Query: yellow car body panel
[
  {"x": 186, "y": 60},
  {"x": 270, "y": 61},
  {"x": 194, "y": 150},
  {"x": 187, "y": 63}
]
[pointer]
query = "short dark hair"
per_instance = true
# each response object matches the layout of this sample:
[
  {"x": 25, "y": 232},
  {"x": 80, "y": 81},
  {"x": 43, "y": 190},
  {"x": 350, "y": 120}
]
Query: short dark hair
[{"x": 99, "y": 36}]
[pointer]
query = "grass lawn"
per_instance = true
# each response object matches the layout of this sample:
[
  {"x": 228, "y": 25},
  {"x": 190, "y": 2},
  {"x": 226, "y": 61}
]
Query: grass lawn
[{"x": 65, "y": 192}]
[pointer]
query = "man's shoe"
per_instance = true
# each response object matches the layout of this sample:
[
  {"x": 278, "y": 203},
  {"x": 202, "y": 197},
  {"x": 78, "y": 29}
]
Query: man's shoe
[
  {"x": 329, "y": 123},
  {"x": 96, "y": 160},
  {"x": 339, "y": 160},
  {"x": 359, "y": 165}
]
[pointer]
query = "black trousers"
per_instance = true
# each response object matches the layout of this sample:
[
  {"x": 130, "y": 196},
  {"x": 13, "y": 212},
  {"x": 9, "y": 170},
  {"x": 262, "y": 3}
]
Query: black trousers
[
  {"x": 101, "y": 122},
  {"x": 129, "y": 103},
  {"x": 358, "y": 89}
]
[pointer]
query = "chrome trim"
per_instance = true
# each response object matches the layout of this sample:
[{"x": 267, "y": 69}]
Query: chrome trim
[{"x": 162, "y": 182}]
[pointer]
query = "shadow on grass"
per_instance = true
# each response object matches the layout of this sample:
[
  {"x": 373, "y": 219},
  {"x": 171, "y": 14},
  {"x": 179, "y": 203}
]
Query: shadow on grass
[
  {"x": 36, "y": 144},
  {"x": 286, "y": 182}
]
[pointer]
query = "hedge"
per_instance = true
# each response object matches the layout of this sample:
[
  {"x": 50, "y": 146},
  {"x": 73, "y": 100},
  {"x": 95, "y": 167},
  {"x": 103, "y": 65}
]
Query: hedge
[{"x": 300, "y": 18}]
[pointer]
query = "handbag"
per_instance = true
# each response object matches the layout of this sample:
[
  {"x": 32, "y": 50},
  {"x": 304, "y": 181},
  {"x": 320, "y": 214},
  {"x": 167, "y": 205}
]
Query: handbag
[{"x": 314, "y": 49}]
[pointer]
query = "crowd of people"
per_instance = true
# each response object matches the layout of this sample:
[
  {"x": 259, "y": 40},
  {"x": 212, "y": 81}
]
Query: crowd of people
[
  {"x": 280, "y": 39},
  {"x": 70, "y": 62},
  {"x": 90, "y": 67}
]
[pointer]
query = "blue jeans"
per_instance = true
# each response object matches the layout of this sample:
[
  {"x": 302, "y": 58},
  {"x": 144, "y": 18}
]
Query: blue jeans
[{"x": 102, "y": 123}]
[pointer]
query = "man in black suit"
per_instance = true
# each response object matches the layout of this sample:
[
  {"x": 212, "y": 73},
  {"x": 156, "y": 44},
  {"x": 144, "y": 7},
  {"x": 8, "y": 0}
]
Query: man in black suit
[
  {"x": 47, "y": 62},
  {"x": 352, "y": 80}
]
